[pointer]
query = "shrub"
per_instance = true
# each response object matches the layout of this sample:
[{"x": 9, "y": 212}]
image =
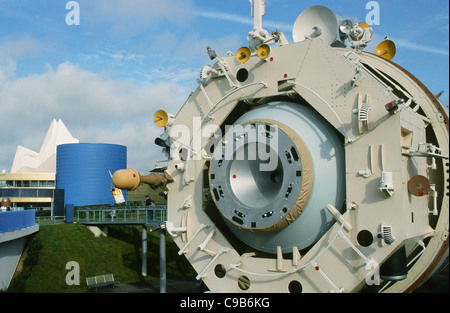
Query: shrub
[{"x": 33, "y": 246}]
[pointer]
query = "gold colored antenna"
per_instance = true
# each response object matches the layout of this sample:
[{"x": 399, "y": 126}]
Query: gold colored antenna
[
  {"x": 243, "y": 54},
  {"x": 263, "y": 51},
  {"x": 386, "y": 49},
  {"x": 161, "y": 118}
]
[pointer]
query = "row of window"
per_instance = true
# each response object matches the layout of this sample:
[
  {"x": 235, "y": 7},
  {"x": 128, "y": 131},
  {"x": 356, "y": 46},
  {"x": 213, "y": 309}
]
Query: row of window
[
  {"x": 26, "y": 183},
  {"x": 26, "y": 193}
]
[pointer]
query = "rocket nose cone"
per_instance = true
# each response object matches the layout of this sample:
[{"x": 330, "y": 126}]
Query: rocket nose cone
[{"x": 128, "y": 179}]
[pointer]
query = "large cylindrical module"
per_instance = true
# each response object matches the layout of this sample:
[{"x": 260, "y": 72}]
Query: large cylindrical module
[
  {"x": 83, "y": 171},
  {"x": 308, "y": 166},
  {"x": 285, "y": 165}
]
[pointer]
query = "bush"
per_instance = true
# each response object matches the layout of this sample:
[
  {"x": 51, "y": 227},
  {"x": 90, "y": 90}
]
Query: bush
[
  {"x": 33, "y": 246},
  {"x": 40, "y": 213},
  {"x": 33, "y": 252}
]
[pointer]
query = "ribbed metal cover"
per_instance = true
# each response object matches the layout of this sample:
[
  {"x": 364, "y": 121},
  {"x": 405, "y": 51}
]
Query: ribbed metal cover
[{"x": 82, "y": 170}]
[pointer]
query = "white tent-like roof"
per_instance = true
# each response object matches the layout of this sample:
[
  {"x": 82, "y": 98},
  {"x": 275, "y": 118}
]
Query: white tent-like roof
[{"x": 28, "y": 161}]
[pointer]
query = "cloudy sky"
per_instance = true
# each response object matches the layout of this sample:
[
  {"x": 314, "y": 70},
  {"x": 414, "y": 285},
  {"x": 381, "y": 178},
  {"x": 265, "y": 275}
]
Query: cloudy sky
[{"x": 106, "y": 77}]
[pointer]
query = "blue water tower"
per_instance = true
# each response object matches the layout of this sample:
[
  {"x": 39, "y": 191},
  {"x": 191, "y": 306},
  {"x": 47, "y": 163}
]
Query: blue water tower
[{"x": 83, "y": 171}]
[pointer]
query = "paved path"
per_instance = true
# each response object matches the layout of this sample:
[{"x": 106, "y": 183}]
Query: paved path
[
  {"x": 176, "y": 285},
  {"x": 437, "y": 284}
]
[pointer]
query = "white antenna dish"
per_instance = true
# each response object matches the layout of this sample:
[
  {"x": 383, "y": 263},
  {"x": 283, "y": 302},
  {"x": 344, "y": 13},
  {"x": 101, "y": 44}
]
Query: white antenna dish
[
  {"x": 316, "y": 21},
  {"x": 345, "y": 26}
]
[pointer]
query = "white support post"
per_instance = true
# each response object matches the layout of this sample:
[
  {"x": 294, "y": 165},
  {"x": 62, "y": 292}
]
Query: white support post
[
  {"x": 144, "y": 250},
  {"x": 184, "y": 249},
  {"x": 218, "y": 254}
]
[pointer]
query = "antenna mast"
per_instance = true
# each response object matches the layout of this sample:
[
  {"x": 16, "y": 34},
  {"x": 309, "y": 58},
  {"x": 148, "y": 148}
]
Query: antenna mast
[
  {"x": 258, "y": 10},
  {"x": 258, "y": 35}
]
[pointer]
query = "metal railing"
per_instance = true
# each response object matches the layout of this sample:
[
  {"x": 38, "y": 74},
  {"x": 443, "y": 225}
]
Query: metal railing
[
  {"x": 139, "y": 215},
  {"x": 49, "y": 219}
]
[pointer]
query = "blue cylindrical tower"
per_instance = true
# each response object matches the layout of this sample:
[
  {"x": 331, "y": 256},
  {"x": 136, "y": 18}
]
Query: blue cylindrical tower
[{"x": 83, "y": 171}]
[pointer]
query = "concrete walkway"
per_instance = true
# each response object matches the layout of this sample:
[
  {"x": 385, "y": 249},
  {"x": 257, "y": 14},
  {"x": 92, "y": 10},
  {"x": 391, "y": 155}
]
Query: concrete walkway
[
  {"x": 437, "y": 284},
  {"x": 175, "y": 285}
]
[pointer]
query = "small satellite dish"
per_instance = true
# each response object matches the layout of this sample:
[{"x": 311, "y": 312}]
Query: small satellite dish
[
  {"x": 361, "y": 30},
  {"x": 263, "y": 51},
  {"x": 161, "y": 118},
  {"x": 366, "y": 26},
  {"x": 316, "y": 21},
  {"x": 243, "y": 54},
  {"x": 345, "y": 26},
  {"x": 386, "y": 49}
]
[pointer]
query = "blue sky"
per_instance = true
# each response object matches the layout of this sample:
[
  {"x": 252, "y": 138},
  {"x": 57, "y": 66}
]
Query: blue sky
[{"x": 107, "y": 76}]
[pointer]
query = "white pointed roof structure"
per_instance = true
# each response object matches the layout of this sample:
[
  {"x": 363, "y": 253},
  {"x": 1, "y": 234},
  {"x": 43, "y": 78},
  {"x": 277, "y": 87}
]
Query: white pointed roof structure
[{"x": 28, "y": 161}]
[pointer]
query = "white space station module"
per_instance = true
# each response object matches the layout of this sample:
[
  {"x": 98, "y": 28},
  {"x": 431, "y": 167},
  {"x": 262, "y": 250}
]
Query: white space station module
[{"x": 311, "y": 166}]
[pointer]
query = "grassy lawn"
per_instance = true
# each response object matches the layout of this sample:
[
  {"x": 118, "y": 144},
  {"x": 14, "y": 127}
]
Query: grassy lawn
[{"x": 118, "y": 253}]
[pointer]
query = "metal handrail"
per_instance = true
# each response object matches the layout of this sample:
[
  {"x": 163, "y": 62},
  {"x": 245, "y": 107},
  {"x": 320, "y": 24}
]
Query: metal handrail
[
  {"x": 113, "y": 215},
  {"x": 50, "y": 219}
]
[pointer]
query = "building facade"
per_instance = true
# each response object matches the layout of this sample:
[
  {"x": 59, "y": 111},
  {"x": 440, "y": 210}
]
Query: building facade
[{"x": 29, "y": 190}]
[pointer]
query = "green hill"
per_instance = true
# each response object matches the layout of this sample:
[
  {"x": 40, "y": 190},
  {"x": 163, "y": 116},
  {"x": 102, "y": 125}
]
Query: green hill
[{"x": 118, "y": 253}]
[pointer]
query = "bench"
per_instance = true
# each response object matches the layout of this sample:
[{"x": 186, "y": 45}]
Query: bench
[{"x": 100, "y": 281}]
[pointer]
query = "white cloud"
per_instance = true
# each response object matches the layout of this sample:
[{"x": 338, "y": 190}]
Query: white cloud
[
  {"x": 129, "y": 18},
  {"x": 179, "y": 59},
  {"x": 419, "y": 47},
  {"x": 170, "y": 9},
  {"x": 7, "y": 70},
  {"x": 243, "y": 20},
  {"x": 121, "y": 56},
  {"x": 18, "y": 46},
  {"x": 94, "y": 110}
]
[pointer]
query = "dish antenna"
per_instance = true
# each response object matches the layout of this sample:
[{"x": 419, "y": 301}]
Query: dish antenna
[
  {"x": 263, "y": 51},
  {"x": 243, "y": 55},
  {"x": 162, "y": 118},
  {"x": 386, "y": 49},
  {"x": 320, "y": 21},
  {"x": 360, "y": 35}
]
